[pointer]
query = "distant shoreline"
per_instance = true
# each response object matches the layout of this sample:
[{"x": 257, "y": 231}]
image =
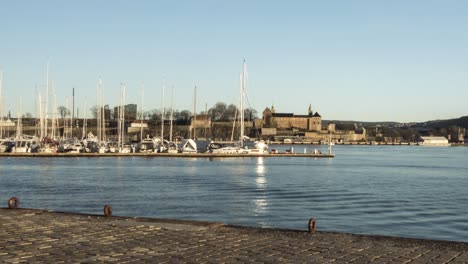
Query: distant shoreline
[{"x": 362, "y": 144}]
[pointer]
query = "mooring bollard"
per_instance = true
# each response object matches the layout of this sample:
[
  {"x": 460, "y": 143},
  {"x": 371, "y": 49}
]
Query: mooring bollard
[
  {"x": 312, "y": 225},
  {"x": 107, "y": 210},
  {"x": 13, "y": 203}
]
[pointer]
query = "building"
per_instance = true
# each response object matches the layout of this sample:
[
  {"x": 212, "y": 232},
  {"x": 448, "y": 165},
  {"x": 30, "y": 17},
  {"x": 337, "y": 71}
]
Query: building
[
  {"x": 434, "y": 141},
  {"x": 7, "y": 123},
  {"x": 310, "y": 122},
  {"x": 199, "y": 125},
  {"x": 305, "y": 128},
  {"x": 139, "y": 124}
]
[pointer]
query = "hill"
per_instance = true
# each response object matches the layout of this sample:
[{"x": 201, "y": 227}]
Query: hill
[
  {"x": 432, "y": 124},
  {"x": 435, "y": 124}
]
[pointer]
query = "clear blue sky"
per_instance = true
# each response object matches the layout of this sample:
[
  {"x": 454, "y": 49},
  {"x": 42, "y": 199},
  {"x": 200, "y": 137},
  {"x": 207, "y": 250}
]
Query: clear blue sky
[{"x": 352, "y": 60}]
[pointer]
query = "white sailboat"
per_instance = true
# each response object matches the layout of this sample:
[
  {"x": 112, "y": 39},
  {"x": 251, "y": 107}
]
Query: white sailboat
[
  {"x": 24, "y": 143},
  {"x": 101, "y": 141},
  {"x": 258, "y": 147},
  {"x": 189, "y": 146},
  {"x": 171, "y": 146},
  {"x": 123, "y": 146}
]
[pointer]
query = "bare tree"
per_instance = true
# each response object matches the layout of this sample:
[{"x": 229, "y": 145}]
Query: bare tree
[
  {"x": 93, "y": 111},
  {"x": 250, "y": 114},
  {"x": 63, "y": 111}
]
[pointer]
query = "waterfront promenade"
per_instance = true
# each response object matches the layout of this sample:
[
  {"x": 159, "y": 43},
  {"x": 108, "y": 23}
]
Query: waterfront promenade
[{"x": 37, "y": 236}]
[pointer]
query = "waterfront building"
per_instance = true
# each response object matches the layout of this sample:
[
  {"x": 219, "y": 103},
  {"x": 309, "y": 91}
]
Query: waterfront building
[
  {"x": 310, "y": 122},
  {"x": 434, "y": 141},
  {"x": 139, "y": 124},
  {"x": 7, "y": 123},
  {"x": 200, "y": 125},
  {"x": 304, "y": 128}
]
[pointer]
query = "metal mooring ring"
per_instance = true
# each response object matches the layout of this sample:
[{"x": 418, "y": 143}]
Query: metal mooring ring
[
  {"x": 107, "y": 210},
  {"x": 312, "y": 225},
  {"x": 13, "y": 203}
]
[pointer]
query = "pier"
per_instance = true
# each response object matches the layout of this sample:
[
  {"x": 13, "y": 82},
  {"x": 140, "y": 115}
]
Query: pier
[
  {"x": 40, "y": 236},
  {"x": 170, "y": 155}
]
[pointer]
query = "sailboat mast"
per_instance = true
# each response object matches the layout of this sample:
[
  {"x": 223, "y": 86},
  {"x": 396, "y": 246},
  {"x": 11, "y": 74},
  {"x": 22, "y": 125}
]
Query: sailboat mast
[
  {"x": 103, "y": 112},
  {"x": 65, "y": 125},
  {"x": 54, "y": 107},
  {"x": 1, "y": 104},
  {"x": 119, "y": 128},
  {"x": 98, "y": 111},
  {"x": 73, "y": 111},
  {"x": 172, "y": 113},
  {"x": 41, "y": 119},
  {"x": 84, "y": 121},
  {"x": 46, "y": 100},
  {"x": 233, "y": 125},
  {"x": 19, "y": 128},
  {"x": 121, "y": 116},
  {"x": 162, "y": 116},
  {"x": 36, "y": 129},
  {"x": 56, "y": 118},
  {"x": 142, "y": 113},
  {"x": 194, "y": 112},
  {"x": 242, "y": 93}
]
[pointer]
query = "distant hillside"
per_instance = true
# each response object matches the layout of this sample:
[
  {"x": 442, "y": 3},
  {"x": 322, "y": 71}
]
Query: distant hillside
[
  {"x": 432, "y": 124},
  {"x": 360, "y": 123},
  {"x": 459, "y": 122}
]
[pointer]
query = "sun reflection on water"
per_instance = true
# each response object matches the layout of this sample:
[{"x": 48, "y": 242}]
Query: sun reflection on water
[
  {"x": 261, "y": 202},
  {"x": 260, "y": 168}
]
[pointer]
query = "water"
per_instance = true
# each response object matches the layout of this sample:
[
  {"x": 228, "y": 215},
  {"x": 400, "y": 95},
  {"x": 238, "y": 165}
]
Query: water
[{"x": 409, "y": 191}]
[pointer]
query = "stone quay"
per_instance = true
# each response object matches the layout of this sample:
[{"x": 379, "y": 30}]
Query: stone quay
[{"x": 41, "y": 236}]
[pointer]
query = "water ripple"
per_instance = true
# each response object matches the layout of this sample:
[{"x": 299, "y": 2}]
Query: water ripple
[{"x": 399, "y": 191}]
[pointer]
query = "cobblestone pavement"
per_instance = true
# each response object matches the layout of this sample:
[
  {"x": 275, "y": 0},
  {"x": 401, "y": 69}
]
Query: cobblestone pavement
[{"x": 37, "y": 236}]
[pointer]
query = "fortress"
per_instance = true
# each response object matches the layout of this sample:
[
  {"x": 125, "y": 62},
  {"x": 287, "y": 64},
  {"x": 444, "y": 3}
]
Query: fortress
[
  {"x": 278, "y": 126},
  {"x": 309, "y": 122}
]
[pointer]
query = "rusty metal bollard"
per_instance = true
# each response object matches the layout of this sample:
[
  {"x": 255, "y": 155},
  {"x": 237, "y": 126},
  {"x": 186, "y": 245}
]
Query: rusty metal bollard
[
  {"x": 107, "y": 210},
  {"x": 13, "y": 203},
  {"x": 312, "y": 225}
]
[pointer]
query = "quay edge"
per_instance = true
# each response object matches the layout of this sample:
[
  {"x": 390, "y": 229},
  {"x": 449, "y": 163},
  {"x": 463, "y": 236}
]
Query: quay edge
[
  {"x": 45, "y": 236},
  {"x": 171, "y": 155}
]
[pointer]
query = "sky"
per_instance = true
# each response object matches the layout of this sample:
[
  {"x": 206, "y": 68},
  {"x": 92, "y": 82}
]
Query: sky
[{"x": 399, "y": 60}]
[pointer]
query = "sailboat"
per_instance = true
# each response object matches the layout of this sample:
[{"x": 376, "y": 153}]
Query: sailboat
[
  {"x": 258, "y": 147},
  {"x": 170, "y": 145},
  {"x": 24, "y": 143},
  {"x": 167, "y": 146},
  {"x": 124, "y": 145}
]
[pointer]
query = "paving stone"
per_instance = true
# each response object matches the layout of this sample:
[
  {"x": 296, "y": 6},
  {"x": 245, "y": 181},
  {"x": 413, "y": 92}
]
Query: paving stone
[{"x": 37, "y": 236}]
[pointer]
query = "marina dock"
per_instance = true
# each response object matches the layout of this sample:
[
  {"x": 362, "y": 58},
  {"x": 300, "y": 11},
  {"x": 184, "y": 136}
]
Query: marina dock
[
  {"x": 170, "y": 155},
  {"x": 39, "y": 236}
]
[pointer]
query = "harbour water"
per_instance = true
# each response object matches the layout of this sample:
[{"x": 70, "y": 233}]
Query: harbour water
[{"x": 409, "y": 191}]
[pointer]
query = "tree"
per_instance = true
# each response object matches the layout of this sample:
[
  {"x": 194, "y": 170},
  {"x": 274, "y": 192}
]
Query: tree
[
  {"x": 250, "y": 114},
  {"x": 185, "y": 115},
  {"x": 217, "y": 111},
  {"x": 154, "y": 115},
  {"x": 231, "y": 113},
  {"x": 94, "y": 111},
  {"x": 63, "y": 111}
]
